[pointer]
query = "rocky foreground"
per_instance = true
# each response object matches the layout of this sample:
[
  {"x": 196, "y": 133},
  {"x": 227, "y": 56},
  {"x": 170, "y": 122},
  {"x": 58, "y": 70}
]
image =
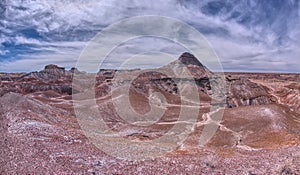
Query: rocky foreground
[{"x": 259, "y": 132}]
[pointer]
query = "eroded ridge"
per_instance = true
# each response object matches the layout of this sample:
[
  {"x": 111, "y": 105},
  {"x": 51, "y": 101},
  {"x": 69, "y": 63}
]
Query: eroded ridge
[{"x": 259, "y": 131}]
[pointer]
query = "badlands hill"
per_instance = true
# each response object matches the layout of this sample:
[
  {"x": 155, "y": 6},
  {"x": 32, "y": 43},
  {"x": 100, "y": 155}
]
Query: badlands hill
[{"x": 259, "y": 132}]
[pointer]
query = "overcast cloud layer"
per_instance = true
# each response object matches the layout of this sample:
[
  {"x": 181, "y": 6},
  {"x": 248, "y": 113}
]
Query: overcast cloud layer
[{"x": 248, "y": 35}]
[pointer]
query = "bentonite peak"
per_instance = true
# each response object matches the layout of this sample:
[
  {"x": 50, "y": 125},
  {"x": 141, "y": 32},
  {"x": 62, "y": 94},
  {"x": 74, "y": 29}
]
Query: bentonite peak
[{"x": 258, "y": 134}]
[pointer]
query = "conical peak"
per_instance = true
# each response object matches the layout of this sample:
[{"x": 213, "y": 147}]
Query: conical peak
[{"x": 189, "y": 59}]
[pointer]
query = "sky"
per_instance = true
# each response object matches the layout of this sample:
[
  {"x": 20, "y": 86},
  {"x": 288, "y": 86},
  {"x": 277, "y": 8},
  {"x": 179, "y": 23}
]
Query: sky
[{"x": 247, "y": 35}]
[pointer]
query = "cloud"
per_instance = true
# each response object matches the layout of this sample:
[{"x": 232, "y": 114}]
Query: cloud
[
  {"x": 3, "y": 52},
  {"x": 247, "y": 35}
]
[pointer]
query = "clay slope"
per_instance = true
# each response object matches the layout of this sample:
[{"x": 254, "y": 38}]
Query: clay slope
[{"x": 258, "y": 134}]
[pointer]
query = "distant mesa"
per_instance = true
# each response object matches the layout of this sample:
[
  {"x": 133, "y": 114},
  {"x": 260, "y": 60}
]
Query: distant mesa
[
  {"x": 53, "y": 66},
  {"x": 74, "y": 70},
  {"x": 54, "y": 70}
]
